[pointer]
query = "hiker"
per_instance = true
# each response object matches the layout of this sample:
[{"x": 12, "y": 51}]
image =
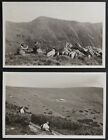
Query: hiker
[
  {"x": 22, "y": 110},
  {"x": 19, "y": 50},
  {"x": 89, "y": 56},
  {"x": 22, "y": 49},
  {"x": 35, "y": 47},
  {"x": 39, "y": 51},
  {"x": 91, "y": 50},
  {"x": 73, "y": 54},
  {"x": 46, "y": 127},
  {"x": 65, "y": 51},
  {"x": 56, "y": 52},
  {"x": 51, "y": 53}
]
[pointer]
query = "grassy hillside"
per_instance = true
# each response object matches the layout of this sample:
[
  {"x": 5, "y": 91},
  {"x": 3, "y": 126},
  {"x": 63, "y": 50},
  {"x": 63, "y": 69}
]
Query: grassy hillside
[
  {"x": 26, "y": 124},
  {"x": 53, "y": 31},
  {"x": 75, "y": 111},
  {"x": 78, "y": 103},
  {"x": 36, "y": 60}
]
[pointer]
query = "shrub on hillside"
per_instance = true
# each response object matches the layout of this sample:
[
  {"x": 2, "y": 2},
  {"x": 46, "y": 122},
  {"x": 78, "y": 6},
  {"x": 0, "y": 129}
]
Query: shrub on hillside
[
  {"x": 56, "y": 122},
  {"x": 11, "y": 106},
  {"x": 67, "y": 126},
  {"x": 12, "y": 118},
  {"x": 85, "y": 130},
  {"x": 62, "y": 125}
]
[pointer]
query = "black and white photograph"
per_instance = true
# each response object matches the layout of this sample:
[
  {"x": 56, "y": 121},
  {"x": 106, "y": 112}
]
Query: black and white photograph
[
  {"x": 54, "y": 34},
  {"x": 54, "y": 105}
]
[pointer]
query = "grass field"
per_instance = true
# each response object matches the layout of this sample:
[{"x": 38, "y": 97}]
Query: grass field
[{"x": 34, "y": 60}]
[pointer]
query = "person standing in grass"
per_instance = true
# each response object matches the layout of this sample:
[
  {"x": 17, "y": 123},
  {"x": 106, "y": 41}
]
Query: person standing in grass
[
  {"x": 35, "y": 47},
  {"x": 22, "y": 110}
]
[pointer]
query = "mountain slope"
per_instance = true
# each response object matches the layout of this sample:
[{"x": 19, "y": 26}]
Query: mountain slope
[
  {"x": 54, "y": 31},
  {"x": 48, "y": 101}
]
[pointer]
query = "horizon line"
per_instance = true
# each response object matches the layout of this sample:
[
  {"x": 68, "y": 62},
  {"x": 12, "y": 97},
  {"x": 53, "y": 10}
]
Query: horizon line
[{"x": 53, "y": 18}]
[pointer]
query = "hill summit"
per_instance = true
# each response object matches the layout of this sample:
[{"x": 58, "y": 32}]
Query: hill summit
[{"x": 53, "y": 30}]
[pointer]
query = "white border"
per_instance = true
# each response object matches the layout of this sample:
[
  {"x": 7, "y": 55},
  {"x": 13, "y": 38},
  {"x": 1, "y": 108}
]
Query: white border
[
  {"x": 62, "y": 136},
  {"x": 73, "y": 66}
]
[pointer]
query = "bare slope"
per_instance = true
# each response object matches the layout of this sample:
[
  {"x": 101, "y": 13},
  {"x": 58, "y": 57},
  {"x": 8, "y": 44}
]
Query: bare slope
[{"x": 54, "y": 30}]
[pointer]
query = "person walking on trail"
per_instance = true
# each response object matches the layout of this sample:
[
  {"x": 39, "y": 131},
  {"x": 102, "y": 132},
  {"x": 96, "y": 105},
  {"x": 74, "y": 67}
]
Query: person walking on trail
[{"x": 46, "y": 127}]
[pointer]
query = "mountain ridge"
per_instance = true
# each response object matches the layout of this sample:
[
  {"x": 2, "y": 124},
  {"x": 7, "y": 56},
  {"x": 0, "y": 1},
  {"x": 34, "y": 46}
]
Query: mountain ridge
[
  {"x": 46, "y": 17},
  {"x": 53, "y": 30}
]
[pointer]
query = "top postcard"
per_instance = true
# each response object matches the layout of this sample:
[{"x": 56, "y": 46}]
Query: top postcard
[{"x": 54, "y": 34}]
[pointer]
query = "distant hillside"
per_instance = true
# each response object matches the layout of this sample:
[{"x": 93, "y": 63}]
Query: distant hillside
[
  {"x": 36, "y": 98},
  {"x": 52, "y": 30}
]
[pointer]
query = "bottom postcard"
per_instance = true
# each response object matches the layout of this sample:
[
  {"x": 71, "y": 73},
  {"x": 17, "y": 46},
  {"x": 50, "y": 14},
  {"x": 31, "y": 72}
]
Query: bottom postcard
[{"x": 54, "y": 104}]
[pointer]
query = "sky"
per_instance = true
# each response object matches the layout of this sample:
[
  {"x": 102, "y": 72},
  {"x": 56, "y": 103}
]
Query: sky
[
  {"x": 79, "y": 11},
  {"x": 54, "y": 80}
]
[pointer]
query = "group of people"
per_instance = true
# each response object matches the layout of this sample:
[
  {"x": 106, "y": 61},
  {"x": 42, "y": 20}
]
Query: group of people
[
  {"x": 70, "y": 50},
  {"x": 45, "y": 126},
  {"x": 78, "y": 51},
  {"x": 36, "y": 49},
  {"x": 23, "y": 49}
]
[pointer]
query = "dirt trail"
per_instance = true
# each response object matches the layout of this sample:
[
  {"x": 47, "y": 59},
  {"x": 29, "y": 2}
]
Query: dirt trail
[{"x": 36, "y": 129}]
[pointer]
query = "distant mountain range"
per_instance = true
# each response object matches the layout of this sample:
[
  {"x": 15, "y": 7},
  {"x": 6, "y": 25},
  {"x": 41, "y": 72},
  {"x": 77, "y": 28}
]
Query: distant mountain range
[{"x": 53, "y": 30}]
